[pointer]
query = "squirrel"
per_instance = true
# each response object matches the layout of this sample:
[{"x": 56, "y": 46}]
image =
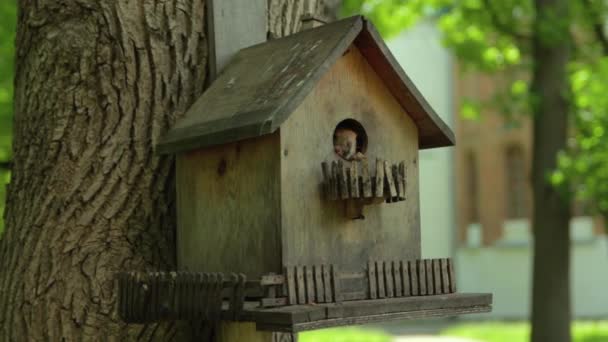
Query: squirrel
[{"x": 345, "y": 144}]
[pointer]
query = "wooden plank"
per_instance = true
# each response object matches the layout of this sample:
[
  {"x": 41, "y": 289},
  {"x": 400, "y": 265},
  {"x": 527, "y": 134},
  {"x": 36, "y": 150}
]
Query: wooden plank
[
  {"x": 452, "y": 276},
  {"x": 397, "y": 277},
  {"x": 327, "y": 284},
  {"x": 415, "y": 279},
  {"x": 429, "y": 277},
  {"x": 326, "y": 180},
  {"x": 290, "y": 316},
  {"x": 388, "y": 278},
  {"x": 380, "y": 277},
  {"x": 388, "y": 178},
  {"x": 335, "y": 281},
  {"x": 420, "y": 267},
  {"x": 379, "y": 188},
  {"x": 366, "y": 181},
  {"x": 300, "y": 285},
  {"x": 354, "y": 180},
  {"x": 371, "y": 276},
  {"x": 319, "y": 288},
  {"x": 291, "y": 285},
  {"x": 355, "y": 295},
  {"x": 273, "y": 302},
  {"x": 437, "y": 276},
  {"x": 310, "y": 285},
  {"x": 233, "y": 184},
  {"x": 233, "y": 25}
]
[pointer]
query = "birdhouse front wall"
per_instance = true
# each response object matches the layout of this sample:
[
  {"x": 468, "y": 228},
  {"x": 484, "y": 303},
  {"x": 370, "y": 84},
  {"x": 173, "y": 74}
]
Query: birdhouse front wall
[
  {"x": 228, "y": 207},
  {"x": 315, "y": 229}
]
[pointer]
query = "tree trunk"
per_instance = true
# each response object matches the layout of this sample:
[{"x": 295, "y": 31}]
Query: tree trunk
[
  {"x": 551, "y": 277},
  {"x": 97, "y": 83}
]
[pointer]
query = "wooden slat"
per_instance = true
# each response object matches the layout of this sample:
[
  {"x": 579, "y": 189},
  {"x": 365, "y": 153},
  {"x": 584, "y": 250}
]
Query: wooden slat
[
  {"x": 291, "y": 285},
  {"x": 379, "y": 188},
  {"x": 452, "y": 276},
  {"x": 202, "y": 298},
  {"x": 445, "y": 276},
  {"x": 319, "y": 288},
  {"x": 429, "y": 277},
  {"x": 397, "y": 277},
  {"x": 437, "y": 276},
  {"x": 380, "y": 277},
  {"x": 335, "y": 185},
  {"x": 326, "y": 180},
  {"x": 336, "y": 284},
  {"x": 327, "y": 284},
  {"x": 310, "y": 285},
  {"x": 388, "y": 279},
  {"x": 209, "y": 300},
  {"x": 371, "y": 276},
  {"x": 343, "y": 180},
  {"x": 421, "y": 267},
  {"x": 240, "y": 293},
  {"x": 234, "y": 281},
  {"x": 354, "y": 180},
  {"x": 395, "y": 173},
  {"x": 388, "y": 173},
  {"x": 272, "y": 279},
  {"x": 366, "y": 181},
  {"x": 300, "y": 285},
  {"x": 402, "y": 179},
  {"x": 405, "y": 277}
]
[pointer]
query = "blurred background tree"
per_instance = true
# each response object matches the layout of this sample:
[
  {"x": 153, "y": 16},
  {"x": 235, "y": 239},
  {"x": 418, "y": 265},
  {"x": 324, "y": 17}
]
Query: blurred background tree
[{"x": 8, "y": 18}]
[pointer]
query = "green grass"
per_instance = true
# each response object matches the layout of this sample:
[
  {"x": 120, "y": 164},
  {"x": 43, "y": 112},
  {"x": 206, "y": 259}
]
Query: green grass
[
  {"x": 582, "y": 331},
  {"x": 587, "y": 331},
  {"x": 344, "y": 335}
]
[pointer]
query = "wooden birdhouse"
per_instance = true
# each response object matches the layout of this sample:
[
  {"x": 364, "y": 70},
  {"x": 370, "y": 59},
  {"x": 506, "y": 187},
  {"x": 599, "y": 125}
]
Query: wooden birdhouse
[{"x": 270, "y": 187}]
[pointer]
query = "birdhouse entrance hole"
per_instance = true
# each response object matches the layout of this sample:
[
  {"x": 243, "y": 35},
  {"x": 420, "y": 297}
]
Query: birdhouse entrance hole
[{"x": 347, "y": 133}]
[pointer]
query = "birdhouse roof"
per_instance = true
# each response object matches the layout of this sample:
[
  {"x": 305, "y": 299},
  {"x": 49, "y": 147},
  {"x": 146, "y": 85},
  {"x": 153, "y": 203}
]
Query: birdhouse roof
[{"x": 264, "y": 84}]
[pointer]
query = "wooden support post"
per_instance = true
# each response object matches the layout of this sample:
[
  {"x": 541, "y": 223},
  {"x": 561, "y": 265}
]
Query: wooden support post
[{"x": 233, "y": 25}]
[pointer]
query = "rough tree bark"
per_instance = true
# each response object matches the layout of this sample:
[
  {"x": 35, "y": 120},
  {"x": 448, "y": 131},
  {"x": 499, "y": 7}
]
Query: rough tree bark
[
  {"x": 97, "y": 83},
  {"x": 551, "y": 279}
]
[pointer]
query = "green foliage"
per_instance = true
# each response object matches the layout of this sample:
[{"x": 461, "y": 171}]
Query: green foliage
[
  {"x": 8, "y": 17},
  {"x": 586, "y": 162},
  {"x": 344, "y": 335},
  {"x": 519, "y": 332}
]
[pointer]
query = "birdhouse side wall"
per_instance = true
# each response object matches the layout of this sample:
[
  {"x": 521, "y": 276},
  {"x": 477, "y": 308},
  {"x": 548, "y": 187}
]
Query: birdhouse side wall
[
  {"x": 228, "y": 207},
  {"x": 315, "y": 229}
]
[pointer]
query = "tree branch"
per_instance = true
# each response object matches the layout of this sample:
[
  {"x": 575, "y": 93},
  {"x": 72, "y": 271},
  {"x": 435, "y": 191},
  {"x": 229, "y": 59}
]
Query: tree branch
[
  {"x": 598, "y": 27},
  {"x": 503, "y": 27}
]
